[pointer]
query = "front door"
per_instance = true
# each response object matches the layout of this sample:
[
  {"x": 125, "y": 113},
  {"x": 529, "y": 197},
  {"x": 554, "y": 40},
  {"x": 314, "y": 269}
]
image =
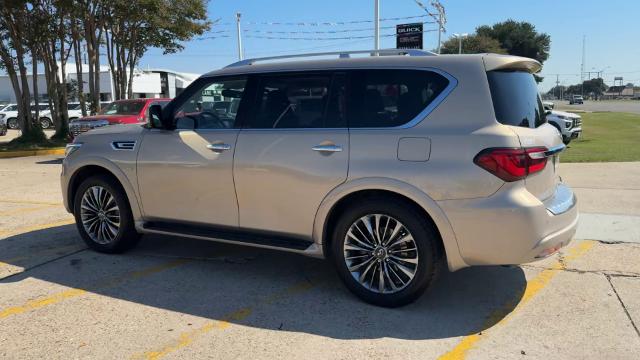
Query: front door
[
  {"x": 292, "y": 152},
  {"x": 186, "y": 175}
]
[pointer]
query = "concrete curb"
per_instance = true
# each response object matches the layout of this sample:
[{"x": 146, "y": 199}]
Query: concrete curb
[{"x": 23, "y": 153}]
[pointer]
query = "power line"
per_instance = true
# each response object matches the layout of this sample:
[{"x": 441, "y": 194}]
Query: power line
[
  {"x": 318, "y": 23},
  {"x": 322, "y": 32},
  {"x": 308, "y": 38}
]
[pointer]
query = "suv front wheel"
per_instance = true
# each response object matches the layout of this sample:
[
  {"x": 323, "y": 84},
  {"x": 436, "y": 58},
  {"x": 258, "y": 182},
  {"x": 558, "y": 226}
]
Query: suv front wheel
[
  {"x": 385, "y": 252},
  {"x": 103, "y": 216}
]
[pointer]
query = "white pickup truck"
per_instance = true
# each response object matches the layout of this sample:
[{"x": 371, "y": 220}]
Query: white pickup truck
[{"x": 568, "y": 124}]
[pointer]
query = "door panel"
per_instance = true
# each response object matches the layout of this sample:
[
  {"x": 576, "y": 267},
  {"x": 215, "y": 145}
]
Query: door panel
[
  {"x": 182, "y": 178},
  {"x": 281, "y": 180}
]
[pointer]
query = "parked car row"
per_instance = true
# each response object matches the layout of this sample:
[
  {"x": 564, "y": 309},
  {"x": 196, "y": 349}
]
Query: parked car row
[{"x": 118, "y": 112}]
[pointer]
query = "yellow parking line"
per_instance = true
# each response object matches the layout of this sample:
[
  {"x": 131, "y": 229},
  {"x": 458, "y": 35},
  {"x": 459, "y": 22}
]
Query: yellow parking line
[
  {"x": 72, "y": 293},
  {"x": 188, "y": 337},
  {"x": 43, "y": 252},
  {"x": 24, "y": 210},
  {"x": 533, "y": 287},
  {"x": 30, "y": 202},
  {"x": 37, "y": 227}
]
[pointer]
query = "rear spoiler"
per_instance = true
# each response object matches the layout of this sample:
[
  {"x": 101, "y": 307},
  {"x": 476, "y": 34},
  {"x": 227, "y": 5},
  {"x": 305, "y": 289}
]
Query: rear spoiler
[{"x": 510, "y": 62}]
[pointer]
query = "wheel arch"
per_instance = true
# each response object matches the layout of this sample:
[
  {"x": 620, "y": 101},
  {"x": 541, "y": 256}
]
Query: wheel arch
[
  {"x": 337, "y": 200},
  {"x": 103, "y": 167}
]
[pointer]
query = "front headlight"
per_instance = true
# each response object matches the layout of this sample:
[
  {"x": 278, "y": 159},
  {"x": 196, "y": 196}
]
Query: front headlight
[
  {"x": 71, "y": 148},
  {"x": 562, "y": 117},
  {"x": 2, "y": 116}
]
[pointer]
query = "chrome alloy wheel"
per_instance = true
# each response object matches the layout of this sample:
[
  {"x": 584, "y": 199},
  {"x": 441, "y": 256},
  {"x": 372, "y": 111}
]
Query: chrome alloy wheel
[
  {"x": 100, "y": 215},
  {"x": 381, "y": 253}
]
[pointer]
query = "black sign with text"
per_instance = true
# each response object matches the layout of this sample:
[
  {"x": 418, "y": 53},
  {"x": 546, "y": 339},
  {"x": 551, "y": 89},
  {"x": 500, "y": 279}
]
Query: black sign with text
[{"x": 409, "y": 36}]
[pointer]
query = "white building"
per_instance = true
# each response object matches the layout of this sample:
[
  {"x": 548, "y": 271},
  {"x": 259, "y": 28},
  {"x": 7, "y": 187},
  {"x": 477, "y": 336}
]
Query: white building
[{"x": 147, "y": 83}]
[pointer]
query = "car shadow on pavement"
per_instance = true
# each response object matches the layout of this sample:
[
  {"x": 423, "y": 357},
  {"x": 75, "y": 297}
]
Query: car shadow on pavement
[{"x": 272, "y": 290}]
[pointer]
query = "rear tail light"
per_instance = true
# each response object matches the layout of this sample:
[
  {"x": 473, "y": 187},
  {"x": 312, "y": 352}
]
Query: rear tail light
[{"x": 512, "y": 164}]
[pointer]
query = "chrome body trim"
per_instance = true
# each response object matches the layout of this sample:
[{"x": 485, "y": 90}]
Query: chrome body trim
[
  {"x": 562, "y": 200},
  {"x": 125, "y": 145}
]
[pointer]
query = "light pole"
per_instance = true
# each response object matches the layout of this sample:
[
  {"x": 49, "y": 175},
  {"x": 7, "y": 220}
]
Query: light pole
[
  {"x": 460, "y": 37},
  {"x": 240, "y": 56},
  {"x": 376, "y": 20}
]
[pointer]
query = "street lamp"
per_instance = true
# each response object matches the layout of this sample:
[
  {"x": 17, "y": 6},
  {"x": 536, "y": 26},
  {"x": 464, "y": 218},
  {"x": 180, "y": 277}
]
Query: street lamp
[{"x": 460, "y": 36}]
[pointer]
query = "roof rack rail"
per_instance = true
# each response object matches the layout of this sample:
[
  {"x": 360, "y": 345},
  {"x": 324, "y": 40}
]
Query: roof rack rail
[{"x": 341, "y": 55}]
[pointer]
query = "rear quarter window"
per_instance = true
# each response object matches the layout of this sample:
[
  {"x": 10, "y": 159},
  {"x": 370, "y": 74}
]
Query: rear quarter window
[
  {"x": 515, "y": 98},
  {"x": 389, "y": 98}
]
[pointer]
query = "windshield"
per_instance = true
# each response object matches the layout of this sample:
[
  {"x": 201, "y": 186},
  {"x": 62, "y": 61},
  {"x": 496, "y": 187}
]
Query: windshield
[
  {"x": 73, "y": 107},
  {"x": 123, "y": 108},
  {"x": 11, "y": 108}
]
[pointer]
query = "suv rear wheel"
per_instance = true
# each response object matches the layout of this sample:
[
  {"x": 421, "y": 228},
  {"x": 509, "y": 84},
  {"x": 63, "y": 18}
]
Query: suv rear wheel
[
  {"x": 385, "y": 252},
  {"x": 103, "y": 216}
]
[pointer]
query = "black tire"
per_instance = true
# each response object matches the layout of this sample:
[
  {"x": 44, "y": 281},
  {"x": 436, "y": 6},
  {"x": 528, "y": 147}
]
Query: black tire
[
  {"x": 127, "y": 237},
  {"x": 427, "y": 241},
  {"x": 45, "y": 123},
  {"x": 12, "y": 123}
]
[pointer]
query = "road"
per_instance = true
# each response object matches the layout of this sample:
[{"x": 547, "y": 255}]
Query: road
[
  {"x": 175, "y": 298},
  {"x": 629, "y": 106}
]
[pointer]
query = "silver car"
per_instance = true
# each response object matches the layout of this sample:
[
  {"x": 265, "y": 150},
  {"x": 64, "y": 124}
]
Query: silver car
[{"x": 389, "y": 164}]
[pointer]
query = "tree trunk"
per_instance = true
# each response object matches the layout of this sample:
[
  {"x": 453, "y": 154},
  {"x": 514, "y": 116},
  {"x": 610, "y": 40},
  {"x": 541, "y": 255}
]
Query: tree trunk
[{"x": 34, "y": 77}]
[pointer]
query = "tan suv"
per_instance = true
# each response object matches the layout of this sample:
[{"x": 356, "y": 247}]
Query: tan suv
[{"x": 388, "y": 164}]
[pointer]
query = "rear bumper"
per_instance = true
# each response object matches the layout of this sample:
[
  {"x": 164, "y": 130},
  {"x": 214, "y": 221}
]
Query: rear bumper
[{"x": 512, "y": 226}]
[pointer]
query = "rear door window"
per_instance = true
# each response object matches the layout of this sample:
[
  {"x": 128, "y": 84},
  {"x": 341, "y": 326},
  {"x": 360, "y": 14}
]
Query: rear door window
[
  {"x": 389, "y": 98},
  {"x": 290, "y": 101},
  {"x": 516, "y": 100}
]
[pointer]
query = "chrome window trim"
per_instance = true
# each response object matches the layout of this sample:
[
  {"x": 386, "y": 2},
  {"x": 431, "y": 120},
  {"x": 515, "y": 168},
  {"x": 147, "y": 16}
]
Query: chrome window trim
[{"x": 453, "y": 83}]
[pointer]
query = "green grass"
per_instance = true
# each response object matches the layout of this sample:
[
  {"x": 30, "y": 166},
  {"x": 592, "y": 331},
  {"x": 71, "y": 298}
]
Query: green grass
[
  {"x": 22, "y": 143},
  {"x": 606, "y": 137}
]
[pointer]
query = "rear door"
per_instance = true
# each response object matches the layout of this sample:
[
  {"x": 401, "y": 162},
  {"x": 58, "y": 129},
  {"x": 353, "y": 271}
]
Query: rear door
[
  {"x": 292, "y": 152},
  {"x": 517, "y": 104}
]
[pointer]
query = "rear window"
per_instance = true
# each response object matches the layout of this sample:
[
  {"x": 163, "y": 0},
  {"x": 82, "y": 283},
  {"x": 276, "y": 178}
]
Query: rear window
[{"x": 515, "y": 98}]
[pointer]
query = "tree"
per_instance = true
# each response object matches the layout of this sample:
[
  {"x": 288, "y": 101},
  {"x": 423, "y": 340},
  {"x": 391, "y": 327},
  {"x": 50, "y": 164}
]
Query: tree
[
  {"x": 519, "y": 38},
  {"x": 132, "y": 27},
  {"x": 472, "y": 44},
  {"x": 17, "y": 36}
]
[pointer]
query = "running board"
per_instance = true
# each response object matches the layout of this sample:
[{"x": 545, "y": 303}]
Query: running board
[{"x": 242, "y": 237}]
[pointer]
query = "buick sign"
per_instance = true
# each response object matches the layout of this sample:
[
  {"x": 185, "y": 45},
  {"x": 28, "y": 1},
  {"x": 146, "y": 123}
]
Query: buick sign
[{"x": 409, "y": 36}]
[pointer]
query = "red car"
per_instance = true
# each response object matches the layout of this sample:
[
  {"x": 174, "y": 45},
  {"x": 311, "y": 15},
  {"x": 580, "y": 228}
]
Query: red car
[{"x": 133, "y": 111}]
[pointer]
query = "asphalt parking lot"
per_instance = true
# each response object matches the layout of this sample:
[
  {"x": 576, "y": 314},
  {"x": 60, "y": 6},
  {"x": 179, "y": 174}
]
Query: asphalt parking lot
[{"x": 178, "y": 298}]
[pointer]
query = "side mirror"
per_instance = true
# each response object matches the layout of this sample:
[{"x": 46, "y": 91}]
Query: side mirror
[{"x": 155, "y": 117}]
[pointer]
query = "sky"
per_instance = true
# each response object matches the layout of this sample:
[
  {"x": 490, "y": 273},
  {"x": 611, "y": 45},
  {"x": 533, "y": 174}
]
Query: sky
[{"x": 611, "y": 29}]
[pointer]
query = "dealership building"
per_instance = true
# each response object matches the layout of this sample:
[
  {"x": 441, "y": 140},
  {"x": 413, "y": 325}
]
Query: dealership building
[{"x": 147, "y": 83}]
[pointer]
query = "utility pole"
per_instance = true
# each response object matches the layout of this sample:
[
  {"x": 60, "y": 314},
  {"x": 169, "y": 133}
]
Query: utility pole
[
  {"x": 376, "y": 20},
  {"x": 558, "y": 86},
  {"x": 441, "y": 20},
  {"x": 240, "y": 56},
  {"x": 584, "y": 38}
]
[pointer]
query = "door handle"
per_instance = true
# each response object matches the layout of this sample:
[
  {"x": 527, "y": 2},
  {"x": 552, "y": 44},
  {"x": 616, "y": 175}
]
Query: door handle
[
  {"x": 219, "y": 147},
  {"x": 327, "y": 148}
]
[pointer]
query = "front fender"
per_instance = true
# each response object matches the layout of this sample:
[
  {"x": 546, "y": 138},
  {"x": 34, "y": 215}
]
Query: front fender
[
  {"x": 454, "y": 260},
  {"x": 119, "y": 170}
]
